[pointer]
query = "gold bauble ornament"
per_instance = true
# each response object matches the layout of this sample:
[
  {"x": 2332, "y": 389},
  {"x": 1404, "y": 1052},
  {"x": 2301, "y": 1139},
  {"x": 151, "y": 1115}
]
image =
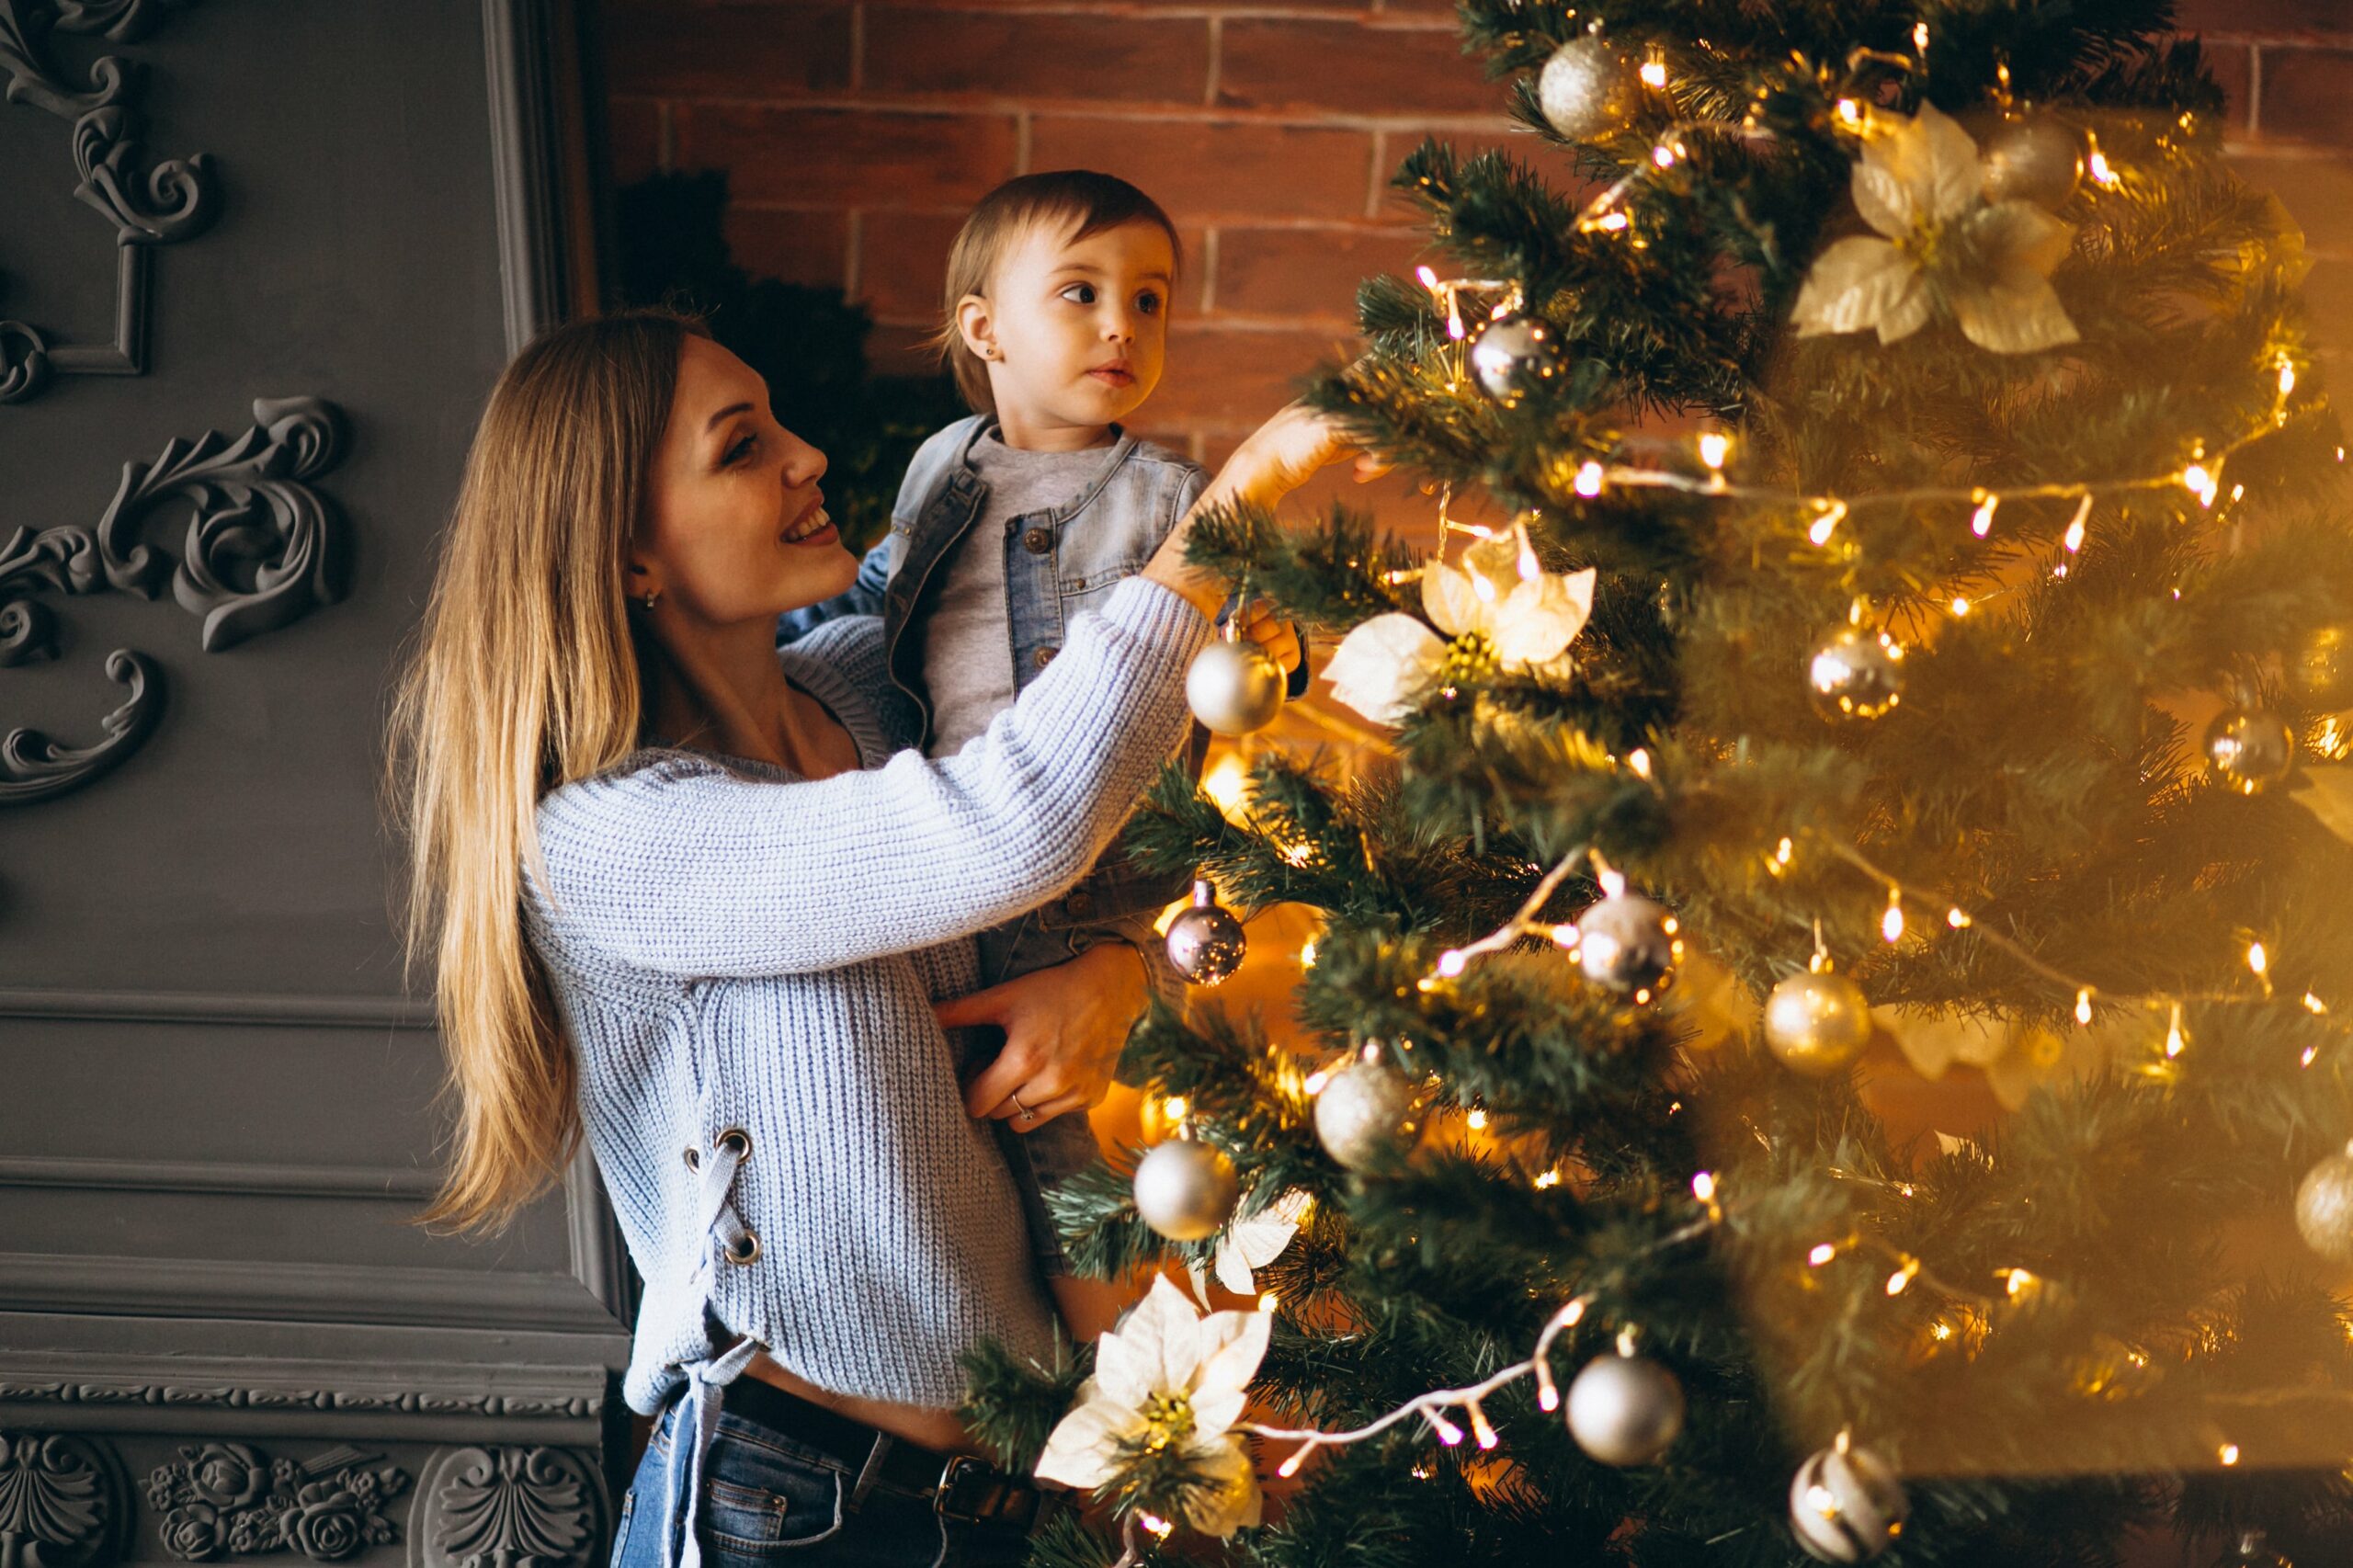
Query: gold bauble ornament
[
  {"x": 2038, "y": 159},
  {"x": 1628, "y": 943},
  {"x": 1367, "y": 1116},
  {"x": 1584, "y": 88},
  {"x": 1185, "y": 1190},
  {"x": 1513, "y": 356},
  {"x": 1206, "y": 942},
  {"x": 1854, "y": 674},
  {"x": 1625, "y": 1410},
  {"x": 1817, "y": 1023},
  {"x": 1234, "y": 688},
  {"x": 2250, "y": 749},
  {"x": 1846, "y": 1505},
  {"x": 2325, "y": 1207}
]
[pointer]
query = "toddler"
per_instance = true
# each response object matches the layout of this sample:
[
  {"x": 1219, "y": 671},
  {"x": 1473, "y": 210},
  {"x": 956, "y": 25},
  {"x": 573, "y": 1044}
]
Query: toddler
[{"x": 1011, "y": 522}]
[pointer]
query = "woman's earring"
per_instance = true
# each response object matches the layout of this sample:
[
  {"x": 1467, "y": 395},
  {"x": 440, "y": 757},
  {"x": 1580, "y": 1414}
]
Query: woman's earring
[{"x": 651, "y": 594}]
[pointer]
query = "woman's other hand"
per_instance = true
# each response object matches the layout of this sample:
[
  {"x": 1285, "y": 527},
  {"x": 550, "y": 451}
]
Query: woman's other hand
[
  {"x": 1064, "y": 1028},
  {"x": 1273, "y": 461}
]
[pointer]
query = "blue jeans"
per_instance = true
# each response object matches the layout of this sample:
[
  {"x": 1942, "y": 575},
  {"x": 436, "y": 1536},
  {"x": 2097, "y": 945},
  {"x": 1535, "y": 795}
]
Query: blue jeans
[{"x": 770, "y": 1502}]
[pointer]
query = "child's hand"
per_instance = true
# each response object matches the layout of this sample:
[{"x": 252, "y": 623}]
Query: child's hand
[
  {"x": 1276, "y": 637},
  {"x": 1064, "y": 1028}
]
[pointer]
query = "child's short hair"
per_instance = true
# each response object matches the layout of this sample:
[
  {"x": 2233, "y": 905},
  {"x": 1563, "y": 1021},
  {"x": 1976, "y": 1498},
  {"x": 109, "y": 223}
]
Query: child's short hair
[{"x": 1078, "y": 198}]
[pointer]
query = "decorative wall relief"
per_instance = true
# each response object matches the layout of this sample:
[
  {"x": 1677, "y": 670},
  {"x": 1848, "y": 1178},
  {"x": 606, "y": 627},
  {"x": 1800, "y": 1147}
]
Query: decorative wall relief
[
  {"x": 62, "y": 1501},
  {"x": 219, "y": 1499},
  {"x": 508, "y": 1507},
  {"x": 260, "y": 549},
  {"x": 148, "y": 202}
]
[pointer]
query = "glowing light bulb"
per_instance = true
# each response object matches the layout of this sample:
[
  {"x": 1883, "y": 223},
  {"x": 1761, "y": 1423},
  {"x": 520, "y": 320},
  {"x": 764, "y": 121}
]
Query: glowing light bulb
[
  {"x": 1297, "y": 1457},
  {"x": 1663, "y": 155},
  {"x": 1850, "y": 113},
  {"x": 2074, "y": 538},
  {"x": 2175, "y": 1040},
  {"x": 1825, "y": 522},
  {"x": 1476, "y": 1121},
  {"x": 1548, "y": 1180},
  {"x": 1429, "y": 278},
  {"x": 1451, "y": 962},
  {"x": 1822, "y": 1253},
  {"x": 2228, "y": 1453},
  {"x": 1960, "y": 606},
  {"x": 1588, "y": 481},
  {"x": 2103, "y": 173},
  {"x": 2083, "y": 1005},
  {"x": 1958, "y": 918},
  {"x": 2314, "y": 1005},
  {"x": 2256, "y": 959},
  {"x": 1307, "y": 953},
  {"x": 1485, "y": 1433},
  {"x": 1703, "y": 1187},
  {"x": 1715, "y": 447},
  {"x": 1653, "y": 73},
  {"x": 1639, "y": 761},
  {"x": 1903, "y": 1276},
  {"x": 2287, "y": 378},
  {"x": 2201, "y": 481},
  {"x": 1268, "y": 1302},
  {"x": 1782, "y": 851},
  {"x": 1448, "y": 1432},
  {"x": 1891, "y": 925},
  {"x": 1981, "y": 522}
]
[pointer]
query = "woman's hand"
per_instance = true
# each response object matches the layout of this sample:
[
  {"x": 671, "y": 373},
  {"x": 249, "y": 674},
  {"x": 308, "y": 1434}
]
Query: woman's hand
[
  {"x": 1273, "y": 461},
  {"x": 1063, "y": 1030}
]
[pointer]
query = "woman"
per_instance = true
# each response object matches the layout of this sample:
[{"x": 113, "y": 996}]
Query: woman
[{"x": 682, "y": 897}]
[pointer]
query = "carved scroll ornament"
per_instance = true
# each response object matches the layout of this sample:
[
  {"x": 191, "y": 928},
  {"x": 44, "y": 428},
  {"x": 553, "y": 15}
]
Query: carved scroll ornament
[
  {"x": 148, "y": 202},
  {"x": 62, "y": 1502},
  {"x": 260, "y": 549}
]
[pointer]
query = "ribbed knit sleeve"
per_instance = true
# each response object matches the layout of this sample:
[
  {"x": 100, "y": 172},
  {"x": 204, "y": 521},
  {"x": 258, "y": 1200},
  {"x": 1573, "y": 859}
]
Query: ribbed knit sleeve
[{"x": 683, "y": 868}]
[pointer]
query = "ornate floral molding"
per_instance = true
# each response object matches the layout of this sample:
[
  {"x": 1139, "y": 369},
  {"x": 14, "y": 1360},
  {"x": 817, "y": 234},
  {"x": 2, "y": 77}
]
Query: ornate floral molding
[
  {"x": 508, "y": 1507},
  {"x": 260, "y": 549},
  {"x": 218, "y": 1499},
  {"x": 148, "y": 202},
  {"x": 62, "y": 1501},
  {"x": 550, "y": 1405}
]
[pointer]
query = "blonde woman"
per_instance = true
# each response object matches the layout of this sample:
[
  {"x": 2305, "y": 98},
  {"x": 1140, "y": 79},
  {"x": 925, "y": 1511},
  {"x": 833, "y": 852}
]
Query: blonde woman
[{"x": 687, "y": 895}]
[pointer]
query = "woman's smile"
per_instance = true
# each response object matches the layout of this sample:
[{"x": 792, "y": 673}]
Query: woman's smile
[{"x": 813, "y": 527}]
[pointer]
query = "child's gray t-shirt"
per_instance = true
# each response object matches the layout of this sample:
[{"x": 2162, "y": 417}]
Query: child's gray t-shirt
[{"x": 967, "y": 642}]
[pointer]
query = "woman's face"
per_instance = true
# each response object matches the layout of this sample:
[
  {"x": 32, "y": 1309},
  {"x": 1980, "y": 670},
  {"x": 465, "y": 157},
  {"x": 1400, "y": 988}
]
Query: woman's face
[{"x": 735, "y": 528}]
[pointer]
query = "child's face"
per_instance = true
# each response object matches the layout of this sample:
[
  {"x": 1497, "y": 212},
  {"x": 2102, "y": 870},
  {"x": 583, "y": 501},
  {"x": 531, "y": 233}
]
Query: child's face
[{"x": 1080, "y": 328}]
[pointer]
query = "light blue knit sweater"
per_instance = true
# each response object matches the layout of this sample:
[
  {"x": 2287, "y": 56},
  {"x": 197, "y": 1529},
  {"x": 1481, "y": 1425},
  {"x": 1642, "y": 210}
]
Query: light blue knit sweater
[{"x": 736, "y": 948}]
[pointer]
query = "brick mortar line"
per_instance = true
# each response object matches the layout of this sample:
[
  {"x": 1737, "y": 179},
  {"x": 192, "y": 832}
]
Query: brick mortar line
[
  {"x": 2254, "y": 91},
  {"x": 1343, "y": 228},
  {"x": 1217, "y": 59},
  {"x": 1116, "y": 109},
  {"x": 858, "y": 48},
  {"x": 2278, "y": 40}
]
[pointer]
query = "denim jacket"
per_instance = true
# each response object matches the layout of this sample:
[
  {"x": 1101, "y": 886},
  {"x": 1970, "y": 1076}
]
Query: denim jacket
[{"x": 1057, "y": 564}]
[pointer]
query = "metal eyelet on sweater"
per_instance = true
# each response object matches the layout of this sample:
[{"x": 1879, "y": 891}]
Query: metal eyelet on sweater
[
  {"x": 694, "y": 1158},
  {"x": 735, "y": 1142},
  {"x": 744, "y": 1248}
]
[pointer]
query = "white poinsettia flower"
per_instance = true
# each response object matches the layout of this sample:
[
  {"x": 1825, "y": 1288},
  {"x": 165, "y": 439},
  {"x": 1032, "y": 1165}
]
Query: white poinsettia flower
[
  {"x": 1168, "y": 1376},
  {"x": 1250, "y": 1245},
  {"x": 1919, "y": 184},
  {"x": 1384, "y": 666},
  {"x": 1528, "y": 614}
]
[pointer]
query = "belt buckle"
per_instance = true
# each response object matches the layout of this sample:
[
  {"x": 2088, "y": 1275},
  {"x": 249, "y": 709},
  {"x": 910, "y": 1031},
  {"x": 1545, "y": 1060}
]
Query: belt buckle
[{"x": 971, "y": 1493}]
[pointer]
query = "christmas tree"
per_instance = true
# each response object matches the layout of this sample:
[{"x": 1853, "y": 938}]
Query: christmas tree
[{"x": 1905, "y": 642}]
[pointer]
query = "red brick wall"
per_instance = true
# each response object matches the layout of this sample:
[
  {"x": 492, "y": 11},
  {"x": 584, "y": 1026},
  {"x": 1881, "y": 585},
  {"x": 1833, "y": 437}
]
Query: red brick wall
[{"x": 855, "y": 135}]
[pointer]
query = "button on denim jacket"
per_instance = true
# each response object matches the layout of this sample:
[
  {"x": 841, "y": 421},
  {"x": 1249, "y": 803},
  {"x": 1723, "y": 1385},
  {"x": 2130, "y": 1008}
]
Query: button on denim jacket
[{"x": 1057, "y": 564}]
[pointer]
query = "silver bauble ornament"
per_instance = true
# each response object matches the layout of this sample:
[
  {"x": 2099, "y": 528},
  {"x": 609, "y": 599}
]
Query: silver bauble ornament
[
  {"x": 1854, "y": 674},
  {"x": 2037, "y": 159},
  {"x": 1206, "y": 942},
  {"x": 1846, "y": 1505},
  {"x": 1514, "y": 355},
  {"x": 2250, "y": 749},
  {"x": 1185, "y": 1190},
  {"x": 2325, "y": 1207},
  {"x": 2321, "y": 669},
  {"x": 1583, "y": 87},
  {"x": 1366, "y": 1116},
  {"x": 1625, "y": 1409},
  {"x": 1628, "y": 943},
  {"x": 1817, "y": 1023},
  {"x": 1234, "y": 688}
]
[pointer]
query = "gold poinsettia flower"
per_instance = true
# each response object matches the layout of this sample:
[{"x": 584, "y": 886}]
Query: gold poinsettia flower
[{"x": 1920, "y": 184}]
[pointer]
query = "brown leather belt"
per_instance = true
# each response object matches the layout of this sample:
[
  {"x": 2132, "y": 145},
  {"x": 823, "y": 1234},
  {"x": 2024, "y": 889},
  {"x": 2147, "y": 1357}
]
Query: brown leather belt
[{"x": 959, "y": 1486}]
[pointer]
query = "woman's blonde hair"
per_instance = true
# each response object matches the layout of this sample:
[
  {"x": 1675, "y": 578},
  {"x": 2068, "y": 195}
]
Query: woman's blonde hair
[
  {"x": 1080, "y": 200},
  {"x": 526, "y": 675}
]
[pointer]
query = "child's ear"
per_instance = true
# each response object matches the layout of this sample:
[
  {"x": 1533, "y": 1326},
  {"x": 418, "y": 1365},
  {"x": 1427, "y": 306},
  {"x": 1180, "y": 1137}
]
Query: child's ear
[{"x": 972, "y": 320}]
